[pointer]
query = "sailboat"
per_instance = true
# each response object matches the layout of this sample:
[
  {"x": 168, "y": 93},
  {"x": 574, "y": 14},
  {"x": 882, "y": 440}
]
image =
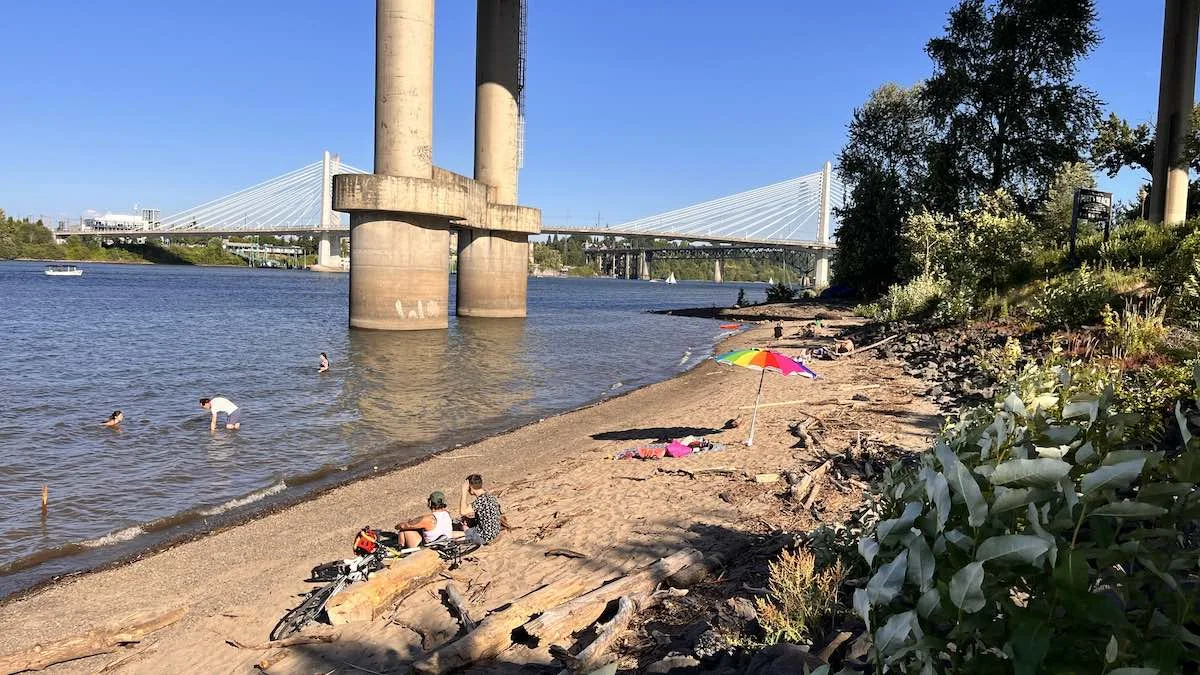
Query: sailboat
[
  {"x": 671, "y": 278},
  {"x": 770, "y": 281}
]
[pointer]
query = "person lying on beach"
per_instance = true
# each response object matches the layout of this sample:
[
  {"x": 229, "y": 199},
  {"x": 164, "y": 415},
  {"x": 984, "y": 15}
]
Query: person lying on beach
[
  {"x": 324, "y": 363},
  {"x": 483, "y": 517},
  {"x": 220, "y": 404},
  {"x": 115, "y": 419},
  {"x": 429, "y": 527}
]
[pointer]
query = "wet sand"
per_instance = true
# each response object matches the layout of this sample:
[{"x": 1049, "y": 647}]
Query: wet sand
[{"x": 558, "y": 488}]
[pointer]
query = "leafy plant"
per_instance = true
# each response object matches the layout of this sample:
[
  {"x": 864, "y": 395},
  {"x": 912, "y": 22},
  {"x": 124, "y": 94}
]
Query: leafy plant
[
  {"x": 1047, "y": 533},
  {"x": 1186, "y": 305},
  {"x": 801, "y": 596},
  {"x": 780, "y": 292},
  {"x": 1136, "y": 330},
  {"x": 1073, "y": 299},
  {"x": 741, "y": 298},
  {"x": 915, "y": 298}
]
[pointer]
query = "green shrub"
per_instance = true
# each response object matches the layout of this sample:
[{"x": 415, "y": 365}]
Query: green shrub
[
  {"x": 1136, "y": 330},
  {"x": 1185, "y": 306},
  {"x": 1048, "y": 533},
  {"x": 916, "y": 298},
  {"x": 741, "y": 299},
  {"x": 801, "y": 597},
  {"x": 1072, "y": 299},
  {"x": 780, "y": 292}
]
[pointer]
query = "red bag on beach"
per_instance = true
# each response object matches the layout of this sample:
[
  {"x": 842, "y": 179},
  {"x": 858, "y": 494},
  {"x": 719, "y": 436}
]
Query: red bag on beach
[{"x": 366, "y": 541}]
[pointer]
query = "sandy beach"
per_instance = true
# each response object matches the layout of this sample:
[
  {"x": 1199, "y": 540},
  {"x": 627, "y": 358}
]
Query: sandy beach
[{"x": 558, "y": 487}]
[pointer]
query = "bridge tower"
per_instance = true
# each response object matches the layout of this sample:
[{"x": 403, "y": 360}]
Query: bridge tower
[
  {"x": 329, "y": 243},
  {"x": 1176, "y": 96},
  {"x": 492, "y": 265},
  {"x": 821, "y": 273},
  {"x": 401, "y": 216}
]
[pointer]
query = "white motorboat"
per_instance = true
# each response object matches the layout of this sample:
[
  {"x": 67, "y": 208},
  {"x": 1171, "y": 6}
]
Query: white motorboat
[
  {"x": 63, "y": 271},
  {"x": 670, "y": 278}
]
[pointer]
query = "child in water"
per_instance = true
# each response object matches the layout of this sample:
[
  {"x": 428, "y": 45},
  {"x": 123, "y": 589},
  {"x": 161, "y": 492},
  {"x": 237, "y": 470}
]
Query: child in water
[
  {"x": 324, "y": 363},
  {"x": 115, "y": 419}
]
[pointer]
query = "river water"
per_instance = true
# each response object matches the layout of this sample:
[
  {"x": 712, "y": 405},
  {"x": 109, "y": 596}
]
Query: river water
[{"x": 152, "y": 340}]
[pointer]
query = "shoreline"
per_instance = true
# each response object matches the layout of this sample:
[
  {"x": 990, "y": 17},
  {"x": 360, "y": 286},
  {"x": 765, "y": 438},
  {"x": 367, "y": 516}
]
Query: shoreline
[
  {"x": 113, "y": 262},
  {"x": 556, "y": 483},
  {"x": 270, "y": 505}
]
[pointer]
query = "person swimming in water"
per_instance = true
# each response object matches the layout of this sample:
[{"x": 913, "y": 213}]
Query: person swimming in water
[
  {"x": 324, "y": 363},
  {"x": 220, "y": 404},
  {"x": 115, "y": 419}
]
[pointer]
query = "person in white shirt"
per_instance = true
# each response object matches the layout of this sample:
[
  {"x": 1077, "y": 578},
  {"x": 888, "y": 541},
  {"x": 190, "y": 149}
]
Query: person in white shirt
[
  {"x": 427, "y": 528},
  {"x": 220, "y": 404}
]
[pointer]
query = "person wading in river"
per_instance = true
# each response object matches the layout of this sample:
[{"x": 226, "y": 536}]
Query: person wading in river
[{"x": 220, "y": 404}]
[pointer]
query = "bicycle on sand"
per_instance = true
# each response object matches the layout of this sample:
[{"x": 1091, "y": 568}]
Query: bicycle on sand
[{"x": 342, "y": 573}]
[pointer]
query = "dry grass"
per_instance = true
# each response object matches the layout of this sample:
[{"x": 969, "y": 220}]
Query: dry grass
[{"x": 801, "y": 597}]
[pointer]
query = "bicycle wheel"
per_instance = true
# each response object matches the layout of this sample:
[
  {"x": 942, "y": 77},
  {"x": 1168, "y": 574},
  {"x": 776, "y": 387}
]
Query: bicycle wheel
[
  {"x": 464, "y": 548},
  {"x": 307, "y": 611}
]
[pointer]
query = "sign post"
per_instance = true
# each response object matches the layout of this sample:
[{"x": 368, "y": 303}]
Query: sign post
[{"x": 1093, "y": 206}]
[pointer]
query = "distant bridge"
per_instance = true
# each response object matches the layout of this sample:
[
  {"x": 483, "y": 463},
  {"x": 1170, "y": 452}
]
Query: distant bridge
[{"x": 791, "y": 215}]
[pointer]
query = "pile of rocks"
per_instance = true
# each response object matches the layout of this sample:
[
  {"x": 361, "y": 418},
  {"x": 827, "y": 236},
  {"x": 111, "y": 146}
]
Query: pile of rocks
[{"x": 947, "y": 359}]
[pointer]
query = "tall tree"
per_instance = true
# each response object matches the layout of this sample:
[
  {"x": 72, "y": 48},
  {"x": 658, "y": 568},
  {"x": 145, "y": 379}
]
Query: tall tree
[
  {"x": 1003, "y": 92},
  {"x": 883, "y": 167},
  {"x": 1054, "y": 214}
]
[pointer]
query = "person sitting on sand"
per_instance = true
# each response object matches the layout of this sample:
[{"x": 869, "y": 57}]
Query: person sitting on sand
[
  {"x": 220, "y": 404},
  {"x": 324, "y": 363},
  {"x": 483, "y": 517},
  {"x": 427, "y": 528},
  {"x": 115, "y": 419}
]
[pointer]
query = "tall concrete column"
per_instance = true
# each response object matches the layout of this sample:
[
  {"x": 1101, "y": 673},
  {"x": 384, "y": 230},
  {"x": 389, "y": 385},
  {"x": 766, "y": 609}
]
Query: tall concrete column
[
  {"x": 399, "y": 277},
  {"x": 1176, "y": 94},
  {"x": 492, "y": 272},
  {"x": 717, "y": 270},
  {"x": 822, "y": 267},
  {"x": 643, "y": 266}
]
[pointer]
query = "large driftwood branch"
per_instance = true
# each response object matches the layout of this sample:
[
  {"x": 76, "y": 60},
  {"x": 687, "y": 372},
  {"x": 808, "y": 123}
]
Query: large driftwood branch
[
  {"x": 288, "y": 641},
  {"x": 369, "y": 600},
  {"x": 100, "y": 641},
  {"x": 494, "y": 634},
  {"x": 455, "y": 599},
  {"x": 559, "y": 622},
  {"x": 592, "y": 656}
]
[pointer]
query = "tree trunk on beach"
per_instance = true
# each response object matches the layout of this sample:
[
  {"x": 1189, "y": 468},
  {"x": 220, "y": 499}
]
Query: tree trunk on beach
[
  {"x": 99, "y": 641},
  {"x": 559, "y": 622},
  {"x": 367, "y": 601}
]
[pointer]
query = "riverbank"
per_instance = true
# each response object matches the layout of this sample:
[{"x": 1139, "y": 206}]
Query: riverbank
[{"x": 558, "y": 488}]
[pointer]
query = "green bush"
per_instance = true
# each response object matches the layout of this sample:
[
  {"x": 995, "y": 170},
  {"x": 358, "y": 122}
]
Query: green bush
[
  {"x": 916, "y": 298},
  {"x": 741, "y": 298},
  {"x": 1137, "y": 330},
  {"x": 1049, "y": 533},
  {"x": 780, "y": 292},
  {"x": 1072, "y": 299}
]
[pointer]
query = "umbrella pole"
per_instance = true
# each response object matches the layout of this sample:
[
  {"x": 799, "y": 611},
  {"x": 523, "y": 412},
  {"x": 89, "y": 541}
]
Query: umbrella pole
[{"x": 754, "y": 416}]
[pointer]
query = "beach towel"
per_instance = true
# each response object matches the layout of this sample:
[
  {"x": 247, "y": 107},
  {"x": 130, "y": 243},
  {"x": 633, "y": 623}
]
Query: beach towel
[
  {"x": 654, "y": 451},
  {"x": 677, "y": 449}
]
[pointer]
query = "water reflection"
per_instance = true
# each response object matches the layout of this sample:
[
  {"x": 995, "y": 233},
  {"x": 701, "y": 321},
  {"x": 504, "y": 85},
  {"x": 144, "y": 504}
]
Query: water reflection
[{"x": 418, "y": 388}]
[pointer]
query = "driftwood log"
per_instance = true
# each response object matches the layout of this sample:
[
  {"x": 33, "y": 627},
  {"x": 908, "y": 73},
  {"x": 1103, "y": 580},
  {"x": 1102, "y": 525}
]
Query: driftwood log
[
  {"x": 494, "y": 634},
  {"x": 559, "y": 622},
  {"x": 368, "y": 601},
  {"x": 100, "y": 641},
  {"x": 323, "y": 638},
  {"x": 593, "y": 656},
  {"x": 805, "y": 486},
  {"x": 454, "y": 598}
]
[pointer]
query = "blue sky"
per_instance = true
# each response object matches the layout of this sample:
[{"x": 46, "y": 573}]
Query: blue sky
[{"x": 633, "y": 107}]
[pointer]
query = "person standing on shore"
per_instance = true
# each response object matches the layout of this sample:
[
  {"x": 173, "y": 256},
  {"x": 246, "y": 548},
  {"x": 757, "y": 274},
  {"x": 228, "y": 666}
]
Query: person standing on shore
[
  {"x": 114, "y": 420},
  {"x": 220, "y": 404},
  {"x": 483, "y": 517},
  {"x": 324, "y": 363}
]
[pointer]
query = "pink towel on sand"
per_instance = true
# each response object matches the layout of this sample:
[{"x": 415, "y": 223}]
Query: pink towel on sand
[{"x": 677, "y": 449}]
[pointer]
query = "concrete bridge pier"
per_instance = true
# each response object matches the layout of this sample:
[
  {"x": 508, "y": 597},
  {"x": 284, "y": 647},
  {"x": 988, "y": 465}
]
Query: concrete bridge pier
[
  {"x": 492, "y": 268},
  {"x": 717, "y": 271},
  {"x": 1176, "y": 96},
  {"x": 399, "y": 277}
]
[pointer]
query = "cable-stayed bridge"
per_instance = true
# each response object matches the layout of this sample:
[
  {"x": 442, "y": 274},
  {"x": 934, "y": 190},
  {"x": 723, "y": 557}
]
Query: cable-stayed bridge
[{"x": 794, "y": 214}]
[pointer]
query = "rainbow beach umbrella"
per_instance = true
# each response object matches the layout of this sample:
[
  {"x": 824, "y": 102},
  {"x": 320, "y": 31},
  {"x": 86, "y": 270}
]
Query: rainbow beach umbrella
[{"x": 764, "y": 360}]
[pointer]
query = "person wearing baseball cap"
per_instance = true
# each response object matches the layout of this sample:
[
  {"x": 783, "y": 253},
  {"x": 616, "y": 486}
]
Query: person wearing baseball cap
[{"x": 429, "y": 527}]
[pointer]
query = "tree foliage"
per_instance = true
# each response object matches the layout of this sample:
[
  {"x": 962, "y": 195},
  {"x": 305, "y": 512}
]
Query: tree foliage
[
  {"x": 1054, "y": 214},
  {"x": 883, "y": 166},
  {"x": 1003, "y": 91}
]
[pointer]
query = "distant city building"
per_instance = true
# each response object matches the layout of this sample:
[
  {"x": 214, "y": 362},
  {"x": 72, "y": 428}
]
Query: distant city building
[{"x": 152, "y": 217}]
